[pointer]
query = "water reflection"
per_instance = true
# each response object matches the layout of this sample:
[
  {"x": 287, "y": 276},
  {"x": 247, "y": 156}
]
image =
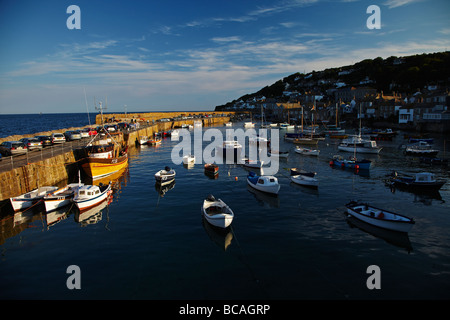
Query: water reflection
[
  {"x": 398, "y": 239},
  {"x": 92, "y": 215},
  {"x": 221, "y": 237},
  {"x": 55, "y": 216},
  {"x": 163, "y": 187},
  {"x": 265, "y": 198}
]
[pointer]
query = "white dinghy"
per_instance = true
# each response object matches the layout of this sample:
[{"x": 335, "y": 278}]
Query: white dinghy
[{"x": 217, "y": 212}]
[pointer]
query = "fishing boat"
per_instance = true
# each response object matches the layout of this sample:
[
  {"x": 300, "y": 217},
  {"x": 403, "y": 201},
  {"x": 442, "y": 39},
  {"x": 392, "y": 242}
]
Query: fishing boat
[
  {"x": 352, "y": 162},
  {"x": 26, "y": 200},
  {"x": 359, "y": 145},
  {"x": 306, "y": 181},
  {"x": 267, "y": 184},
  {"x": 295, "y": 172},
  {"x": 228, "y": 124},
  {"x": 211, "y": 168},
  {"x": 307, "y": 151},
  {"x": 88, "y": 196},
  {"x": 249, "y": 124},
  {"x": 190, "y": 158},
  {"x": 379, "y": 217},
  {"x": 422, "y": 181},
  {"x": 217, "y": 212},
  {"x": 104, "y": 160},
  {"x": 422, "y": 149},
  {"x": 165, "y": 175},
  {"x": 61, "y": 197},
  {"x": 104, "y": 156}
]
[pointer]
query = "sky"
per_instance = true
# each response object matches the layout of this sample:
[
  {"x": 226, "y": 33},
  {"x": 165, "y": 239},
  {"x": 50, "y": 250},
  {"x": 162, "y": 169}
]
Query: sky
[{"x": 189, "y": 55}]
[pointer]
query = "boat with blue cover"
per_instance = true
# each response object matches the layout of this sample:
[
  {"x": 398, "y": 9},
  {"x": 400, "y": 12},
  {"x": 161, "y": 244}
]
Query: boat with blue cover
[{"x": 262, "y": 183}]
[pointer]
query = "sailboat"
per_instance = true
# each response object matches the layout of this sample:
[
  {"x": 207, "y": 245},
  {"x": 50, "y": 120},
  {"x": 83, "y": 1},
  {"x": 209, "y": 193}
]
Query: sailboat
[
  {"x": 358, "y": 144},
  {"x": 104, "y": 158},
  {"x": 335, "y": 130},
  {"x": 307, "y": 140}
]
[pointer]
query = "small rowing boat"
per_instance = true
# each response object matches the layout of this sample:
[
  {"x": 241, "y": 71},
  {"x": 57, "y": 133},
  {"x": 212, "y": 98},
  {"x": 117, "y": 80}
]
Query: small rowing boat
[
  {"x": 26, "y": 200},
  {"x": 379, "y": 217},
  {"x": 217, "y": 212},
  {"x": 305, "y": 181}
]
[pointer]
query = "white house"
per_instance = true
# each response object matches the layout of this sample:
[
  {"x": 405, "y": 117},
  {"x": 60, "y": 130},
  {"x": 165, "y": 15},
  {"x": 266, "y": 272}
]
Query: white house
[{"x": 405, "y": 115}]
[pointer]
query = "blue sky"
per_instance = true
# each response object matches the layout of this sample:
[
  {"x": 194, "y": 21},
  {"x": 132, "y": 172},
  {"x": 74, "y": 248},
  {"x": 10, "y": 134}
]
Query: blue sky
[{"x": 193, "y": 55}]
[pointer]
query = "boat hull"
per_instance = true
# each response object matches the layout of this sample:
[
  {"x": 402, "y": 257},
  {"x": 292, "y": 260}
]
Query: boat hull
[
  {"x": 98, "y": 168},
  {"x": 60, "y": 198},
  {"x": 352, "y": 148},
  {"x": 30, "y": 198},
  {"x": 305, "y": 181},
  {"x": 363, "y": 164},
  {"x": 390, "y": 220}
]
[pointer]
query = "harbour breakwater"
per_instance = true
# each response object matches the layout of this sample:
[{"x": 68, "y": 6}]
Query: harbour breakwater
[{"x": 59, "y": 169}]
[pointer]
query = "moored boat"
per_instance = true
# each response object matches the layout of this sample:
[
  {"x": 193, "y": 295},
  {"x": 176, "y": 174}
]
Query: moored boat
[
  {"x": 295, "y": 172},
  {"x": 307, "y": 151},
  {"x": 422, "y": 181},
  {"x": 306, "y": 141},
  {"x": 359, "y": 145},
  {"x": 143, "y": 140},
  {"x": 26, "y": 200},
  {"x": 306, "y": 181},
  {"x": 154, "y": 142},
  {"x": 88, "y": 196},
  {"x": 279, "y": 154},
  {"x": 165, "y": 175},
  {"x": 211, "y": 168},
  {"x": 379, "y": 217},
  {"x": 267, "y": 184},
  {"x": 422, "y": 149},
  {"x": 61, "y": 197},
  {"x": 97, "y": 166},
  {"x": 217, "y": 212},
  {"x": 352, "y": 162},
  {"x": 190, "y": 158}
]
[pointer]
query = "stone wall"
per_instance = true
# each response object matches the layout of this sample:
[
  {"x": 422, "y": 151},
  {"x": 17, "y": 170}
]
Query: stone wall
[{"x": 48, "y": 172}]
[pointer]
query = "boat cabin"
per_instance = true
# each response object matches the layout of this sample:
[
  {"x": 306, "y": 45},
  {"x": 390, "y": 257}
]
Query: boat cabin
[{"x": 425, "y": 177}]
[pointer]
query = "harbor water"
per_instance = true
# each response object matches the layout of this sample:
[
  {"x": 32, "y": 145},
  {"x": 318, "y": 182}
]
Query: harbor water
[{"x": 149, "y": 243}]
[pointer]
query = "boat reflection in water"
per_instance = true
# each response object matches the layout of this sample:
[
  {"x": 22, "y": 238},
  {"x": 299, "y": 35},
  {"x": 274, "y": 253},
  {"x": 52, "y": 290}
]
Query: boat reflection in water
[
  {"x": 265, "y": 198},
  {"x": 55, "y": 216},
  {"x": 220, "y": 236},
  {"x": 92, "y": 215},
  {"x": 398, "y": 239},
  {"x": 162, "y": 188}
]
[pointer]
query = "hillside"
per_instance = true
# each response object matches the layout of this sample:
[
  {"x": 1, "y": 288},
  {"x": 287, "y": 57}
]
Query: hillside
[{"x": 404, "y": 75}]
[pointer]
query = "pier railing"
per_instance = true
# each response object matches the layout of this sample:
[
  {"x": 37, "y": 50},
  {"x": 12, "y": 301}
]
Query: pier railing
[{"x": 17, "y": 161}]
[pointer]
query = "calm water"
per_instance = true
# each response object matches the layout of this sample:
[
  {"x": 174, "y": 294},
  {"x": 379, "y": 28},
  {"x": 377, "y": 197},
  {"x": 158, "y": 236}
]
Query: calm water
[{"x": 298, "y": 245}]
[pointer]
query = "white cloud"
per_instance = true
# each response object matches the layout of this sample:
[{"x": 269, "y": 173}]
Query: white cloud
[{"x": 399, "y": 3}]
